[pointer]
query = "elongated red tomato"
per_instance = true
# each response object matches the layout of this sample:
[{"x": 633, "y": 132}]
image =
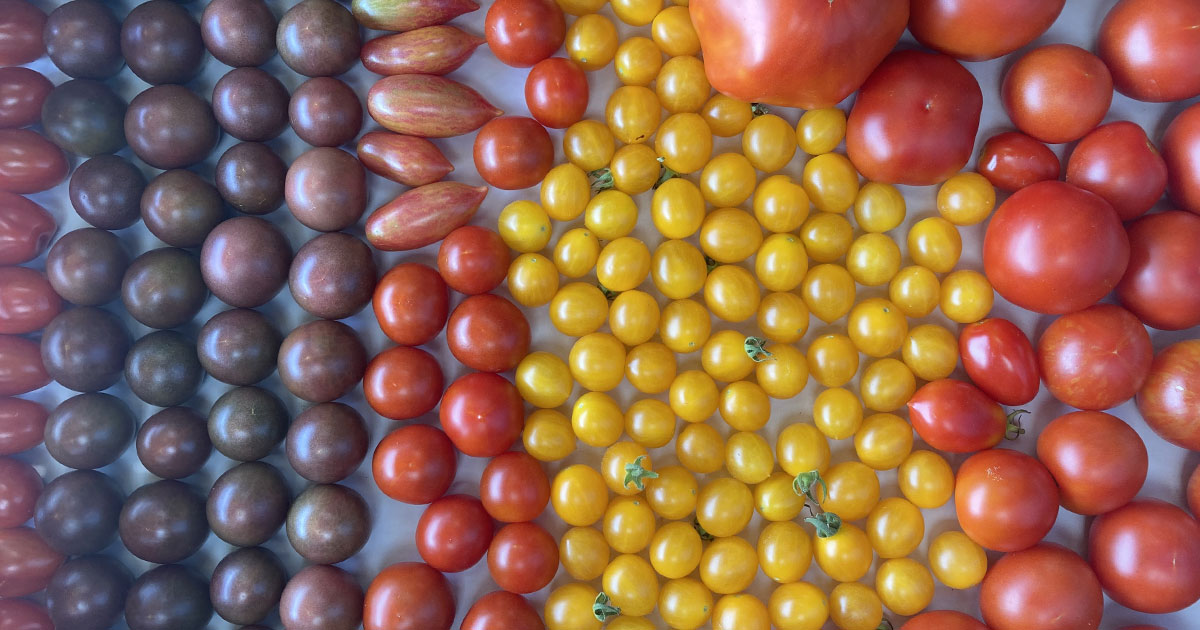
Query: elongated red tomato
[
  {"x": 1048, "y": 587},
  {"x": 1000, "y": 360},
  {"x": 943, "y": 620},
  {"x": 1118, "y": 162},
  {"x": 976, "y": 30},
  {"x": 1147, "y": 556},
  {"x": 1098, "y": 461},
  {"x": 1012, "y": 161},
  {"x": 1162, "y": 283},
  {"x": 1096, "y": 358},
  {"x": 1005, "y": 500},
  {"x": 957, "y": 417}
]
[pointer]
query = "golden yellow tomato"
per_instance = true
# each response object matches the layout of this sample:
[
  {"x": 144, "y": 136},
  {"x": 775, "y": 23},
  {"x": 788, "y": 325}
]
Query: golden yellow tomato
[
  {"x": 672, "y": 494},
  {"x": 845, "y": 556},
  {"x": 681, "y": 85},
  {"x": 956, "y": 560},
  {"x": 685, "y": 326},
  {"x": 565, "y": 192},
  {"x": 925, "y": 479},
  {"x": 631, "y": 584},
  {"x": 827, "y": 236},
  {"x": 581, "y": 7},
  {"x": 637, "y": 61},
  {"x": 728, "y": 180},
  {"x": 731, "y": 293},
  {"x": 532, "y": 280},
  {"x": 780, "y": 204},
  {"x": 626, "y": 622},
  {"x": 895, "y": 527},
  {"x": 544, "y": 380},
  {"x": 597, "y": 361},
  {"x": 931, "y": 351},
  {"x": 724, "y": 507},
  {"x": 821, "y": 130},
  {"x": 625, "y": 466},
  {"x": 784, "y": 550},
  {"x": 915, "y": 290},
  {"x": 589, "y": 144},
  {"x": 798, "y": 606},
  {"x": 596, "y": 419},
  {"x": 569, "y": 607},
  {"x": 628, "y": 524},
  {"x": 725, "y": 357},
  {"x": 829, "y": 292},
  {"x": 685, "y": 604},
  {"x": 673, "y": 32},
  {"x": 879, "y": 207},
  {"x": 784, "y": 374},
  {"x": 967, "y": 296},
  {"x": 883, "y": 441},
  {"x": 886, "y": 385},
  {"x": 633, "y": 113},
  {"x": 730, "y": 235},
  {"x": 726, "y": 116},
  {"x": 524, "y": 226},
  {"x": 547, "y": 435},
  {"x": 966, "y": 199},
  {"x": 677, "y": 208},
  {"x": 728, "y": 565},
  {"x": 748, "y": 457},
  {"x": 782, "y": 317},
  {"x": 853, "y": 490},
  {"x": 832, "y": 359},
  {"x": 700, "y": 449},
  {"x": 584, "y": 553},
  {"x": 904, "y": 586},
  {"x": 610, "y": 215},
  {"x": 578, "y": 309},
  {"x": 854, "y": 606},
  {"x": 831, "y": 182},
  {"x": 873, "y": 259},
  {"x": 684, "y": 142},
  {"x": 675, "y": 550},
  {"x": 635, "y": 12},
  {"x": 802, "y": 448},
  {"x": 935, "y": 243},
  {"x": 650, "y": 367},
  {"x": 744, "y": 406},
  {"x": 576, "y": 252},
  {"x": 579, "y": 495},
  {"x": 740, "y": 612},
  {"x": 769, "y": 142},
  {"x": 781, "y": 261},
  {"x": 877, "y": 327},
  {"x": 591, "y": 41},
  {"x": 837, "y": 413},
  {"x": 693, "y": 396},
  {"x": 678, "y": 269},
  {"x": 650, "y": 422},
  {"x": 634, "y": 169},
  {"x": 623, "y": 264},
  {"x": 774, "y": 498}
]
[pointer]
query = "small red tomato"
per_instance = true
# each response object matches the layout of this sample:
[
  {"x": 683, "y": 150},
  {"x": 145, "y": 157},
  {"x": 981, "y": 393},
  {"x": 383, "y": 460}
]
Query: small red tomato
[
  {"x": 473, "y": 259},
  {"x": 414, "y": 464},
  {"x": 943, "y": 620},
  {"x": 488, "y": 333},
  {"x": 1047, "y": 587},
  {"x": 1057, "y": 93},
  {"x": 955, "y": 416},
  {"x": 1162, "y": 283},
  {"x": 453, "y": 533},
  {"x": 556, "y": 92},
  {"x": 522, "y": 558},
  {"x": 1193, "y": 491},
  {"x": 1096, "y": 358},
  {"x": 1147, "y": 556},
  {"x": 1181, "y": 152},
  {"x": 409, "y": 596},
  {"x": 1000, "y": 360},
  {"x": 1118, "y": 162},
  {"x": 1012, "y": 161},
  {"x": 523, "y": 32},
  {"x": 1151, "y": 55},
  {"x": 1170, "y": 397},
  {"x": 411, "y": 303},
  {"x": 1005, "y": 500},
  {"x": 513, "y": 152},
  {"x": 514, "y": 488},
  {"x": 482, "y": 413},
  {"x": 1098, "y": 461},
  {"x": 403, "y": 382},
  {"x": 502, "y": 609}
]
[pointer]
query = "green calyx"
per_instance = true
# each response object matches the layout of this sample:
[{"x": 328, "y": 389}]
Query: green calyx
[
  {"x": 602, "y": 179},
  {"x": 806, "y": 483},
  {"x": 602, "y": 608},
  {"x": 705, "y": 536},
  {"x": 759, "y": 109},
  {"x": 609, "y": 294},
  {"x": 755, "y": 348},
  {"x": 826, "y": 523},
  {"x": 884, "y": 625},
  {"x": 637, "y": 474},
  {"x": 1013, "y": 428},
  {"x": 665, "y": 174}
]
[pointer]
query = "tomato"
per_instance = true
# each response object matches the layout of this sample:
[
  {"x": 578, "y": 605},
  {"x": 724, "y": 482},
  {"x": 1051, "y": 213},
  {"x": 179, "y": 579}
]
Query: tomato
[
  {"x": 784, "y": 551},
  {"x": 801, "y": 448},
  {"x": 876, "y": 327},
  {"x": 681, "y": 85},
  {"x": 931, "y": 352},
  {"x": 634, "y": 315},
  {"x": 731, "y": 293},
  {"x": 684, "y": 142},
  {"x": 956, "y": 560},
  {"x": 589, "y": 145},
  {"x": 636, "y": 12},
  {"x": 745, "y": 406},
  {"x": 650, "y": 368},
  {"x": 29, "y": 163},
  {"x": 473, "y": 259},
  {"x": 966, "y": 199},
  {"x": 782, "y": 317},
  {"x": 826, "y": 236},
  {"x": 522, "y": 557},
  {"x": 914, "y": 120},
  {"x": 957, "y": 417},
  {"x": 1150, "y": 58},
  {"x": 569, "y": 607},
  {"x": 1012, "y": 161},
  {"x": 1164, "y": 269},
  {"x": 1054, "y": 248},
  {"x": 635, "y": 169},
  {"x": 775, "y": 499},
  {"x": 22, "y": 614},
  {"x": 837, "y": 413},
  {"x": 768, "y": 142},
  {"x": 780, "y": 53},
  {"x": 1169, "y": 398},
  {"x": 675, "y": 550},
  {"x": 597, "y": 361},
  {"x": 513, "y": 152},
  {"x": 730, "y": 235},
  {"x": 626, "y": 466},
  {"x": 845, "y": 556},
  {"x": 631, "y": 584},
  {"x": 1057, "y": 93},
  {"x": 785, "y": 374},
  {"x": 414, "y": 464},
  {"x": 904, "y": 586},
  {"x": 637, "y": 61},
  {"x": 915, "y": 290},
  {"x": 532, "y": 280},
  {"x": 728, "y": 180},
  {"x": 672, "y": 494},
  {"x": 502, "y": 609},
  {"x": 1118, "y": 162},
  {"x": 873, "y": 259},
  {"x": 1098, "y": 461},
  {"x": 831, "y": 182},
  {"x": 611, "y": 214},
  {"x": 726, "y": 116},
  {"x": 453, "y": 533},
  {"x": 895, "y": 527},
  {"x": 523, "y": 32},
  {"x": 821, "y": 130},
  {"x": 579, "y": 495},
  {"x": 883, "y": 441},
  {"x": 728, "y": 565},
  {"x": 1193, "y": 491},
  {"x": 633, "y": 113},
  {"x": 556, "y": 93},
  {"x": 1181, "y": 152},
  {"x": 578, "y": 309},
  {"x": 740, "y": 612},
  {"x": 524, "y": 226},
  {"x": 482, "y": 413},
  {"x": 514, "y": 488},
  {"x": 403, "y": 382},
  {"x": 547, "y": 435},
  {"x": 29, "y": 302},
  {"x": 411, "y": 303},
  {"x": 833, "y": 359},
  {"x": 673, "y": 32},
  {"x": 700, "y": 449},
  {"x": 780, "y": 204},
  {"x": 879, "y": 207},
  {"x": 1006, "y": 500},
  {"x": 724, "y": 507},
  {"x": 934, "y": 243},
  {"x": 685, "y": 603},
  {"x": 966, "y": 296},
  {"x": 1000, "y": 360},
  {"x": 596, "y": 419},
  {"x": 943, "y": 620},
  {"x": 1096, "y": 358},
  {"x": 408, "y": 596},
  {"x": 851, "y": 490},
  {"x": 977, "y": 30},
  {"x": 854, "y": 606},
  {"x": 488, "y": 333},
  {"x": 584, "y": 553},
  {"x": 1045, "y": 586},
  {"x": 677, "y": 208},
  {"x": 829, "y": 292},
  {"x": 925, "y": 478},
  {"x": 565, "y": 192},
  {"x": 748, "y": 457}
]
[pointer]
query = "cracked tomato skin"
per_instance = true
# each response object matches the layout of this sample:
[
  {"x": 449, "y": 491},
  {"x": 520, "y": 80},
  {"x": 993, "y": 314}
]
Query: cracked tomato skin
[
  {"x": 943, "y": 620},
  {"x": 977, "y": 30},
  {"x": 809, "y": 54},
  {"x": 1147, "y": 556},
  {"x": 1047, "y": 586}
]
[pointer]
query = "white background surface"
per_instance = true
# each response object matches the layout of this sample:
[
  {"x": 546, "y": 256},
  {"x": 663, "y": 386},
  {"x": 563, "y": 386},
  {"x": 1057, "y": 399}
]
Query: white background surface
[{"x": 394, "y": 523}]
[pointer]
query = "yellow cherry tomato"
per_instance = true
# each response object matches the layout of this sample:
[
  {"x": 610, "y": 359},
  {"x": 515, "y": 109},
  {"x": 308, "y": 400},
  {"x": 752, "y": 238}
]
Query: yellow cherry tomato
[
  {"x": 579, "y": 495},
  {"x": 623, "y": 264},
  {"x": 524, "y": 226},
  {"x": 544, "y": 380},
  {"x": 784, "y": 374},
  {"x": 693, "y": 396},
  {"x": 626, "y": 466},
  {"x": 650, "y": 422},
  {"x": 845, "y": 556},
  {"x": 769, "y": 143},
  {"x": 700, "y": 449},
  {"x": 625, "y": 622},
  {"x": 637, "y": 61},
  {"x": 724, "y": 507},
  {"x": 728, "y": 180},
  {"x": 781, "y": 261},
  {"x": 610, "y": 215},
  {"x": 876, "y": 327},
  {"x": 745, "y": 406},
  {"x": 740, "y": 612},
  {"x": 774, "y": 498},
  {"x": 547, "y": 435},
  {"x": 886, "y": 385},
  {"x": 532, "y": 280},
  {"x": 635, "y": 12},
  {"x": 878, "y": 207},
  {"x": 576, "y": 252},
  {"x": 672, "y": 494},
  {"x": 827, "y": 236},
  {"x": 633, "y": 113},
  {"x": 730, "y": 235},
  {"x": 780, "y": 204},
  {"x": 895, "y": 527},
  {"x": 675, "y": 550},
  {"x": 589, "y": 145},
  {"x": 565, "y": 192},
  {"x": 784, "y": 550},
  {"x": 591, "y": 41},
  {"x": 628, "y": 524},
  {"x": 873, "y": 259},
  {"x": 904, "y": 586},
  {"x": 731, "y": 293},
  {"x": 685, "y": 604},
  {"x": 915, "y": 290},
  {"x": 678, "y": 269},
  {"x": 831, "y": 182},
  {"x": 634, "y": 169},
  {"x": 966, "y": 199},
  {"x": 748, "y": 457},
  {"x": 650, "y": 367},
  {"x": 883, "y": 441},
  {"x": 596, "y": 419},
  {"x": 569, "y": 607},
  {"x": 584, "y": 553},
  {"x": 821, "y": 130},
  {"x": 681, "y": 85},
  {"x": 798, "y": 606},
  {"x": 802, "y": 448},
  {"x": 837, "y": 413},
  {"x": 677, "y": 208},
  {"x": 931, "y": 351},
  {"x": 935, "y": 243},
  {"x": 728, "y": 565},
  {"x": 581, "y": 7},
  {"x": 854, "y": 606},
  {"x": 832, "y": 359},
  {"x": 725, "y": 357},
  {"x": 597, "y": 361},
  {"x": 726, "y": 116},
  {"x": 631, "y": 584},
  {"x": 956, "y": 560},
  {"x": 853, "y": 490},
  {"x": 685, "y": 326},
  {"x": 925, "y": 479},
  {"x": 684, "y": 142},
  {"x": 578, "y": 309},
  {"x": 673, "y": 32},
  {"x": 967, "y": 296},
  {"x": 782, "y": 317}
]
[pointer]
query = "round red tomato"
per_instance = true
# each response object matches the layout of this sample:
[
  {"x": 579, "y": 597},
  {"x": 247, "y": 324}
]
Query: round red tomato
[
  {"x": 1098, "y": 461},
  {"x": 403, "y": 382},
  {"x": 914, "y": 120},
  {"x": 1118, "y": 162},
  {"x": 943, "y": 620},
  {"x": 1000, "y": 360},
  {"x": 453, "y": 533},
  {"x": 1162, "y": 283},
  {"x": 482, "y": 413},
  {"x": 488, "y": 333},
  {"x": 414, "y": 464},
  {"x": 1047, "y": 587},
  {"x": 1147, "y": 556},
  {"x": 1096, "y": 358},
  {"x": 1151, "y": 55},
  {"x": 1181, "y": 152},
  {"x": 976, "y": 30},
  {"x": 513, "y": 152},
  {"x": 514, "y": 488},
  {"x": 1012, "y": 161},
  {"x": 556, "y": 92},
  {"x": 1054, "y": 248},
  {"x": 955, "y": 416},
  {"x": 524, "y": 32},
  {"x": 1170, "y": 397},
  {"x": 1193, "y": 491},
  {"x": 473, "y": 259},
  {"x": 523, "y": 557},
  {"x": 408, "y": 596},
  {"x": 1006, "y": 500},
  {"x": 1057, "y": 93},
  {"x": 411, "y": 303},
  {"x": 501, "y": 609}
]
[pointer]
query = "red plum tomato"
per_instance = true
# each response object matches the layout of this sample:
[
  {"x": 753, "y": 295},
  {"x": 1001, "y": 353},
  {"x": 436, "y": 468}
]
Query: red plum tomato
[
  {"x": 957, "y": 417},
  {"x": 1000, "y": 360}
]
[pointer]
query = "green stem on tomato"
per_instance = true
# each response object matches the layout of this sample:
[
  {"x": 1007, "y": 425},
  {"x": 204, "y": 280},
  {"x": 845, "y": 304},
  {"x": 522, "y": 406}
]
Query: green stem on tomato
[
  {"x": 705, "y": 536},
  {"x": 665, "y": 174},
  {"x": 755, "y": 348},
  {"x": 1013, "y": 428},
  {"x": 602, "y": 179},
  {"x": 636, "y": 473},
  {"x": 603, "y": 609},
  {"x": 805, "y": 484},
  {"x": 759, "y": 109},
  {"x": 826, "y": 523}
]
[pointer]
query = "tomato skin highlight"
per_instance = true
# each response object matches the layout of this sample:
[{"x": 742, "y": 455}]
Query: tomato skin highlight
[
  {"x": 1162, "y": 283},
  {"x": 1147, "y": 556},
  {"x": 1096, "y": 358},
  {"x": 1000, "y": 360},
  {"x": 1005, "y": 499},
  {"x": 1012, "y": 161},
  {"x": 956, "y": 416},
  {"x": 1169, "y": 400},
  {"x": 1098, "y": 461},
  {"x": 1047, "y": 586}
]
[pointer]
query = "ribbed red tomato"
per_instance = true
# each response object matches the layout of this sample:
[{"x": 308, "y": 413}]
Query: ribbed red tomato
[
  {"x": 1096, "y": 358},
  {"x": 955, "y": 416},
  {"x": 1098, "y": 461},
  {"x": 1118, "y": 162},
  {"x": 1151, "y": 54},
  {"x": 1047, "y": 587},
  {"x": 1057, "y": 93},
  {"x": 1162, "y": 283},
  {"x": 976, "y": 30},
  {"x": 1005, "y": 500},
  {"x": 1012, "y": 161},
  {"x": 1147, "y": 556},
  {"x": 1000, "y": 360}
]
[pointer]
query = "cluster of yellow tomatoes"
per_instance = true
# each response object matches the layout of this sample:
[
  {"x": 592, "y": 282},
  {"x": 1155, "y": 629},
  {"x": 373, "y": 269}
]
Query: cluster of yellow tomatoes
[{"x": 671, "y": 538}]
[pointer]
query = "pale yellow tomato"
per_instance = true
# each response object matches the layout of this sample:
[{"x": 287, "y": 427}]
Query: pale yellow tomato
[
  {"x": 628, "y": 524},
  {"x": 724, "y": 507},
  {"x": 637, "y": 61},
  {"x": 837, "y": 413},
  {"x": 626, "y": 466},
  {"x": 802, "y": 448},
  {"x": 673, "y": 32},
  {"x": 845, "y": 556},
  {"x": 853, "y": 490},
  {"x": 678, "y": 269},
  {"x": 681, "y": 85},
  {"x": 966, "y": 297},
  {"x": 956, "y": 560},
  {"x": 597, "y": 361},
  {"x": 831, "y": 182},
  {"x": 693, "y": 396},
  {"x": 633, "y": 113},
  {"x": 731, "y": 293},
  {"x": 784, "y": 550},
  {"x": 576, "y": 252},
  {"x": 633, "y": 317},
  {"x": 728, "y": 180},
  {"x": 650, "y": 367},
  {"x": 728, "y": 565},
  {"x": 925, "y": 479},
  {"x": 685, "y": 326},
  {"x": 569, "y": 607},
  {"x": 780, "y": 204},
  {"x": 726, "y": 116},
  {"x": 832, "y": 359},
  {"x": 873, "y": 259},
  {"x": 565, "y": 192},
  {"x": 677, "y": 208},
  {"x": 774, "y": 498},
  {"x": 675, "y": 550},
  {"x": 532, "y": 280},
  {"x": 634, "y": 169},
  {"x": 935, "y": 243},
  {"x": 915, "y": 290},
  {"x": 877, "y": 327},
  {"x": 745, "y": 406},
  {"x": 886, "y": 385},
  {"x": 626, "y": 622},
  {"x": 700, "y": 449},
  {"x": 748, "y": 457},
  {"x": 821, "y": 130},
  {"x": 827, "y": 236},
  {"x": 672, "y": 494},
  {"x": 684, "y": 142},
  {"x": 782, "y": 317},
  {"x": 854, "y": 606},
  {"x": 631, "y": 584},
  {"x": 895, "y": 527},
  {"x": 589, "y": 144},
  {"x": 544, "y": 380},
  {"x": 547, "y": 435},
  {"x": 730, "y": 235},
  {"x": 685, "y": 604},
  {"x": 596, "y": 419},
  {"x": 623, "y": 264},
  {"x": 966, "y": 199},
  {"x": 879, "y": 207},
  {"x": 931, "y": 351},
  {"x": 828, "y": 290},
  {"x": 883, "y": 441},
  {"x": 584, "y": 553},
  {"x": 740, "y": 612},
  {"x": 610, "y": 215},
  {"x": 784, "y": 374},
  {"x": 635, "y": 12},
  {"x": 904, "y": 586},
  {"x": 650, "y": 422},
  {"x": 591, "y": 41},
  {"x": 798, "y": 606},
  {"x": 579, "y": 495},
  {"x": 769, "y": 142},
  {"x": 524, "y": 226},
  {"x": 578, "y": 308},
  {"x": 781, "y": 261}
]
